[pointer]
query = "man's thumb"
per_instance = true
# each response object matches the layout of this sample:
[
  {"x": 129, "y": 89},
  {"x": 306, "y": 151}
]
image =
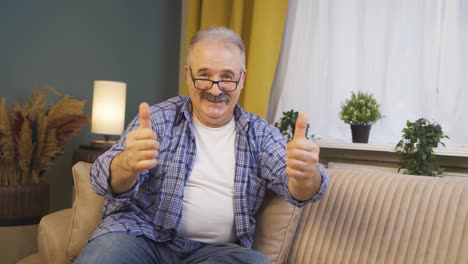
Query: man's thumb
[
  {"x": 301, "y": 126},
  {"x": 145, "y": 115}
]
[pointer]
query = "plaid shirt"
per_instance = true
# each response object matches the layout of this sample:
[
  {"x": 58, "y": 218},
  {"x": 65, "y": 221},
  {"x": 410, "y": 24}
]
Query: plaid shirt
[{"x": 153, "y": 207}]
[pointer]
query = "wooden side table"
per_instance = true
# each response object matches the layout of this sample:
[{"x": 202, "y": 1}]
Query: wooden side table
[{"x": 87, "y": 153}]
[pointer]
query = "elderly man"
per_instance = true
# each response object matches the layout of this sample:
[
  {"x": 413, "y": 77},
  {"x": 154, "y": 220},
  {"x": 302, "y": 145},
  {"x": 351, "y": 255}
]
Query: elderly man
[{"x": 185, "y": 180}]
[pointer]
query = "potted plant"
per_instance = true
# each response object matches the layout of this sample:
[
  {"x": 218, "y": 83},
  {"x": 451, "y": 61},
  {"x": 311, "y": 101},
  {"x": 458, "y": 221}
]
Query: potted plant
[
  {"x": 32, "y": 135},
  {"x": 360, "y": 111},
  {"x": 416, "y": 148},
  {"x": 287, "y": 125}
]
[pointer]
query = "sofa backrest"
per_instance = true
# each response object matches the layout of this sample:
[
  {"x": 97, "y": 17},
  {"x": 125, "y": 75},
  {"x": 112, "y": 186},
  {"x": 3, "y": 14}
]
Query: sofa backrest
[{"x": 375, "y": 217}]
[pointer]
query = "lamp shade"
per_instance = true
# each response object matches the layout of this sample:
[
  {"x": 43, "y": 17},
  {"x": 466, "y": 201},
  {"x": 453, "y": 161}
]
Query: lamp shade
[{"x": 108, "y": 113}]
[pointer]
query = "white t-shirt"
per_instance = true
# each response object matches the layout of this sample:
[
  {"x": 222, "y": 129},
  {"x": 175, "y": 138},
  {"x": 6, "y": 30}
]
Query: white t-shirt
[{"x": 208, "y": 210}]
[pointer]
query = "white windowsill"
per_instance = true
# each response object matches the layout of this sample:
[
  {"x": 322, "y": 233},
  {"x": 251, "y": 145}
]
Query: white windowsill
[{"x": 451, "y": 151}]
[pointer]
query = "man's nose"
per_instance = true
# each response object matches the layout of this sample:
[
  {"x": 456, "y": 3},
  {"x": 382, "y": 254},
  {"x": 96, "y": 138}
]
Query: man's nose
[{"x": 215, "y": 90}]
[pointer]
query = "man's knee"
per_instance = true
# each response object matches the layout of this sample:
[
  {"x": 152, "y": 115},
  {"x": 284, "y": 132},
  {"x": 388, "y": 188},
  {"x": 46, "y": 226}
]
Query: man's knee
[{"x": 115, "y": 248}]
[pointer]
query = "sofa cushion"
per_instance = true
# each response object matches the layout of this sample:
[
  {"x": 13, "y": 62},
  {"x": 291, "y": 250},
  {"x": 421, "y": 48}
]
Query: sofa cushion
[
  {"x": 277, "y": 221},
  {"x": 87, "y": 210}
]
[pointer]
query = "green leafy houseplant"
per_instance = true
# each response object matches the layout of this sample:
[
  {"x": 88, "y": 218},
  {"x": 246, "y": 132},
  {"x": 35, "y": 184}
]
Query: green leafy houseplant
[
  {"x": 416, "y": 148},
  {"x": 360, "y": 112},
  {"x": 287, "y": 125},
  {"x": 361, "y": 109}
]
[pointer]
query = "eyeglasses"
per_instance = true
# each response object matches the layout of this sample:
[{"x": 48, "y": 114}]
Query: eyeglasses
[{"x": 206, "y": 84}]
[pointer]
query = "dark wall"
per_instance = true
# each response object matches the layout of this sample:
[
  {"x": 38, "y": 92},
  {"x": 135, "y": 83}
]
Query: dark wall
[{"x": 69, "y": 44}]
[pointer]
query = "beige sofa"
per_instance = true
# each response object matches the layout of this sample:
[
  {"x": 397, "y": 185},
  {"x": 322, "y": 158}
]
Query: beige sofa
[{"x": 365, "y": 217}]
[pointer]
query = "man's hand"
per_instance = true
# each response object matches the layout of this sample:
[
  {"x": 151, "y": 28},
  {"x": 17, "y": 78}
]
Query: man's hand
[
  {"x": 142, "y": 146},
  {"x": 302, "y": 156},
  {"x": 141, "y": 152}
]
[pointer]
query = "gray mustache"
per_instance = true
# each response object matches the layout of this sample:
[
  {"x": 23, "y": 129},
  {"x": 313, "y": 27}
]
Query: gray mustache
[{"x": 212, "y": 98}]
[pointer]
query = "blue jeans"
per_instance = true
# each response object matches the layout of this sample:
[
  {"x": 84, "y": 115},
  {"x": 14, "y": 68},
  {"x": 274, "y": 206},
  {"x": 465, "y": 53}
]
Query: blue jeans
[{"x": 124, "y": 248}]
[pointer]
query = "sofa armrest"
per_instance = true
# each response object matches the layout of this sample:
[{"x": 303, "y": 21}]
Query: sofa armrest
[
  {"x": 52, "y": 236},
  {"x": 31, "y": 259}
]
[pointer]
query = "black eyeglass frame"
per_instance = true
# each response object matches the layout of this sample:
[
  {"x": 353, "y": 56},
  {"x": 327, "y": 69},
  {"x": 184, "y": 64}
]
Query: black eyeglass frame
[{"x": 215, "y": 82}]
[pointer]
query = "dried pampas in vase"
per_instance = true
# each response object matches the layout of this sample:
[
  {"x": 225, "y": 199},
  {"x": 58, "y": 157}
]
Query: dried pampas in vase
[{"x": 33, "y": 135}]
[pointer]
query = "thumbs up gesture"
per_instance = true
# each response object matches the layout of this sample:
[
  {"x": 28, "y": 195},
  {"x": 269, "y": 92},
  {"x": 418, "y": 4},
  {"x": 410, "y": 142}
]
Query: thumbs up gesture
[
  {"x": 302, "y": 156},
  {"x": 141, "y": 153},
  {"x": 142, "y": 145}
]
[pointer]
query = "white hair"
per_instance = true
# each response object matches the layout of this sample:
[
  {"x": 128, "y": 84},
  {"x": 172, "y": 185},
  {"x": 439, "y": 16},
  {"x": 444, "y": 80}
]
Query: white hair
[{"x": 222, "y": 34}]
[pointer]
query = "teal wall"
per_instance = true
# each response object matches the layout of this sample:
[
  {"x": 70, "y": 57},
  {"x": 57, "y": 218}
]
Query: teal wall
[{"x": 69, "y": 44}]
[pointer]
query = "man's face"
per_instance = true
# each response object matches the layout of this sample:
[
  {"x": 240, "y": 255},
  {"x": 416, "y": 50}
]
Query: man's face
[{"x": 215, "y": 61}]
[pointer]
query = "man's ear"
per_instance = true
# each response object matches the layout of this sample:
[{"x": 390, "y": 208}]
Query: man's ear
[
  {"x": 188, "y": 78},
  {"x": 242, "y": 81}
]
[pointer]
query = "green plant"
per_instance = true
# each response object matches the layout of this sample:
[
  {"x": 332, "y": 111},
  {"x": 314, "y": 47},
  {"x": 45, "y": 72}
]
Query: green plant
[
  {"x": 361, "y": 109},
  {"x": 416, "y": 148},
  {"x": 287, "y": 125},
  {"x": 33, "y": 134}
]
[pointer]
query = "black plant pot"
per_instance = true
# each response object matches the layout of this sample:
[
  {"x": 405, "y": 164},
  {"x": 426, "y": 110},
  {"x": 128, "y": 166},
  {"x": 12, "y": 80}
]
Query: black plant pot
[{"x": 360, "y": 133}]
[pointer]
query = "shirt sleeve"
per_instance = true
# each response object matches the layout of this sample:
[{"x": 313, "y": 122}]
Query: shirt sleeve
[
  {"x": 100, "y": 179},
  {"x": 317, "y": 196}
]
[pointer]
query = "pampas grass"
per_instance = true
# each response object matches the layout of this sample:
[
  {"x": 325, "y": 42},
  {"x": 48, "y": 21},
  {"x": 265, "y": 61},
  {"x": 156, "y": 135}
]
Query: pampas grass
[
  {"x": 33, "y": 135},
  {"x": 7, "y": 149},
  {"x": 25, "y": 148}
]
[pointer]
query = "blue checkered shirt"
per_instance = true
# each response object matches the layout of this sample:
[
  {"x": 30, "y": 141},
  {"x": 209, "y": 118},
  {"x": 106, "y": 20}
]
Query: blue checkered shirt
[{"x": 153, "y": 206}]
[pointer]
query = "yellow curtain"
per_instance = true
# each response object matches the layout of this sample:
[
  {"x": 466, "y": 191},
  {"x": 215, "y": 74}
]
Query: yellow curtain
[{"x": 260, "y": 23}]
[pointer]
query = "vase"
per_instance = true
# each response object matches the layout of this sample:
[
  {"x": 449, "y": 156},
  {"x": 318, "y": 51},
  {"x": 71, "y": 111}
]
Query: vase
[
  {"x": 360, "y": 133},
  {"x": 23, "y": 204}
]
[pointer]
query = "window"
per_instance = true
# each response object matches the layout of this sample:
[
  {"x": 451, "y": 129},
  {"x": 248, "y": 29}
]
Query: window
[{"x": 412, "y": 55}]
